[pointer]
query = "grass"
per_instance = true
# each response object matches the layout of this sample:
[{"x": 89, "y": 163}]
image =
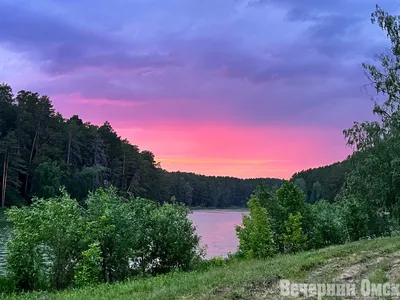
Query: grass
[
  {"x": 379, "y": 274},
  {"x": 240, "y": 279}
]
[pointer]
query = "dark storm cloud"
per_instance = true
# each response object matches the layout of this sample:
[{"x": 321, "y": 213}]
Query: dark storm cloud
[
  {"x": 248, "y": 63},
  {"x": 62, "y": 47}
]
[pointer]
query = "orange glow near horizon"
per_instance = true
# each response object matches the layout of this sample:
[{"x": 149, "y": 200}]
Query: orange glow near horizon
[
  {"x": 220, "y": 148},
  {"x": 238, "y": 151}
]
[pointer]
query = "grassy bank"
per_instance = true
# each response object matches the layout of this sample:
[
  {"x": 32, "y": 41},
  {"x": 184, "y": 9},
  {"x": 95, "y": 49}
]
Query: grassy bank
[{"x": 254, "y": 279}]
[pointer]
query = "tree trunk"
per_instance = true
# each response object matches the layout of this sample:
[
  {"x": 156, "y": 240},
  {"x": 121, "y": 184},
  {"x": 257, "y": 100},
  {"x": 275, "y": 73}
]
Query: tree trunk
[
  {"x": 4, "y": 184},
  {"x": 123, "y": 166},
  {"x": 30, "y": 159},
  {"x": 134, "y": 182},
  {"x": 123, "y": 181},
  {"x": 131, "y": 184},
  {"x": 69, "y": 146}
]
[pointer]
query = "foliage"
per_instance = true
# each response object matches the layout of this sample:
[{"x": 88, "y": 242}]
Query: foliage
[
  {"x": 213, "y": 191},
  {"x": 322, "y": 183},
  {"x": 173, "y": 239},
  {"x": 370, "y": 194},
  {"x": 237, "y": 279},
  {"x": 361, "y": 192},
  {"x": 294, "y": 239},
  {"x": 140, "y": 235},
  {"x": 12, "y": 167},
  {"x": 297, "y": 225},
  {"x": 291, "y": 199},
  {"x": 56, "y": 243},
  {"x": 7, "y": 286},
  {"x": 48, "y": 179},
  {"x": 217, "y": 261},
  {"x": 48, "y": 231},
  {"x": 276, "y": 212},
  {"x": 255, "y": 235},
  {"x": 88, "y": 271},
  {"x": 329, "y": 224},
  {"x": 109, "y": 224}
]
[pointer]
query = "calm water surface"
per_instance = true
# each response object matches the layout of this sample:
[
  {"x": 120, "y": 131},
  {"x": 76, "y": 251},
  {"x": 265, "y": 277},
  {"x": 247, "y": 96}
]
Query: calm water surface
[{"x": 216, "y": 228}]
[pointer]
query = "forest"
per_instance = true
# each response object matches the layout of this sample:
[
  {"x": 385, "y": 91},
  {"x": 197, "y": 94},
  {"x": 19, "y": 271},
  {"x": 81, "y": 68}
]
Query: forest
[
  {"x": 322, "y": 183},
  {"x": 40, "y": 151}
]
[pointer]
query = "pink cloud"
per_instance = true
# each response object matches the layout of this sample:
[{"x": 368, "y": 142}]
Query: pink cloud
[
  {"x": 240, "y": 151},
  {"x": 215, "y": 147}
]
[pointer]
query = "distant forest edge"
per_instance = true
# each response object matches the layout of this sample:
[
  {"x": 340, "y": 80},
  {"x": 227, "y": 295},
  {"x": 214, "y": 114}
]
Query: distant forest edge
[
  {"x": 322, "y": 183},
  {"x": 41, "y": 151}
]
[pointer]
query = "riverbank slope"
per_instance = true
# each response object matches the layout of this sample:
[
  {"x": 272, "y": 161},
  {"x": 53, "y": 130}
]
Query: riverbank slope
[{"x": 378, "y": 260}]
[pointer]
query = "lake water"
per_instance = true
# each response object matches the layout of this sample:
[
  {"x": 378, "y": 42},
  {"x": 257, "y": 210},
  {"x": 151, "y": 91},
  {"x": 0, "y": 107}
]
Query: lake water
[{"x": 216, "y": 228}]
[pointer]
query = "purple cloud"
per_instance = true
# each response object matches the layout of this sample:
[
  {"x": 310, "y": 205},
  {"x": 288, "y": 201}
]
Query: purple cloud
[{"x": 268, "y": 62}]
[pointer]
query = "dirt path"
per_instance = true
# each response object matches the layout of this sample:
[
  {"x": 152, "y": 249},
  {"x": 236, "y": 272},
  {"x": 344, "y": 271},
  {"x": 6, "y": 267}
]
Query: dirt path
[
  {"x": 342, "y": 269},
  {"x": 394, "y": 272}
]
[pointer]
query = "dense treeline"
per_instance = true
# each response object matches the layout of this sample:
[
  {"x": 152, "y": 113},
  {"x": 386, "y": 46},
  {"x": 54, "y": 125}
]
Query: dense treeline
[
  {"x": 322, "y": 183},
  {"x": 366, "y": 205},
  {"x": 41, "y": 151},
  {"x": 214, "y": 191}
]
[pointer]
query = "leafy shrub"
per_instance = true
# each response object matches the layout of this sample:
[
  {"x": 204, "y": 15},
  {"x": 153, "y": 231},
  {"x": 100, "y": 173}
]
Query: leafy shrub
[
  {"x": 56, "y": 243},
  {"x": 7, "y": 285},
  {"x": 356, "y": 218},
  {"x": 109, "y": 224},
  {"x": 45, "y": 243},
  {"x": 207, "y": 264},
  {"x": 174, "y": 242},
  {"x": 291, "y": 198},
  {"x": 329, "y": 225},
  {"x": 294, "y": 238},
  {"x": 255, "y": 236},
  {"x": 88, "y": 271}
]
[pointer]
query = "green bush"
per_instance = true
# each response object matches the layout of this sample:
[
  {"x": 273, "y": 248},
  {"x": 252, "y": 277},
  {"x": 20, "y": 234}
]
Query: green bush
[
  {"x": 255, "y": 235},
  {"x": 140, "y": 236},
  {"x": 294, "y": 239},
  {"x": 109, "y": 224},
  {"x": 174, "y": 240},
  {"x": 207, "y": 264},
  {"x": 45, "y": 243},
  {"x": 88, "y": 270},
  {"x": 7, "y": 285},
  {"x": 57, "y": 244},
  {"x": 329, "y": 222}
]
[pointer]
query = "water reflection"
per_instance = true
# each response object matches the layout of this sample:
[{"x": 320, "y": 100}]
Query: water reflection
[{"x": 217, "y": 230}]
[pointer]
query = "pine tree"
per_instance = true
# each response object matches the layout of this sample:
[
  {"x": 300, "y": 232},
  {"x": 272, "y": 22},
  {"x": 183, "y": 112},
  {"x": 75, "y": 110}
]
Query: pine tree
[{"x": 12, "y": 166}]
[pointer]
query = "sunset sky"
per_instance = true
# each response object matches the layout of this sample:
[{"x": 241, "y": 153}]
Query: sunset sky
[{"x": 259, "y": 88}]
